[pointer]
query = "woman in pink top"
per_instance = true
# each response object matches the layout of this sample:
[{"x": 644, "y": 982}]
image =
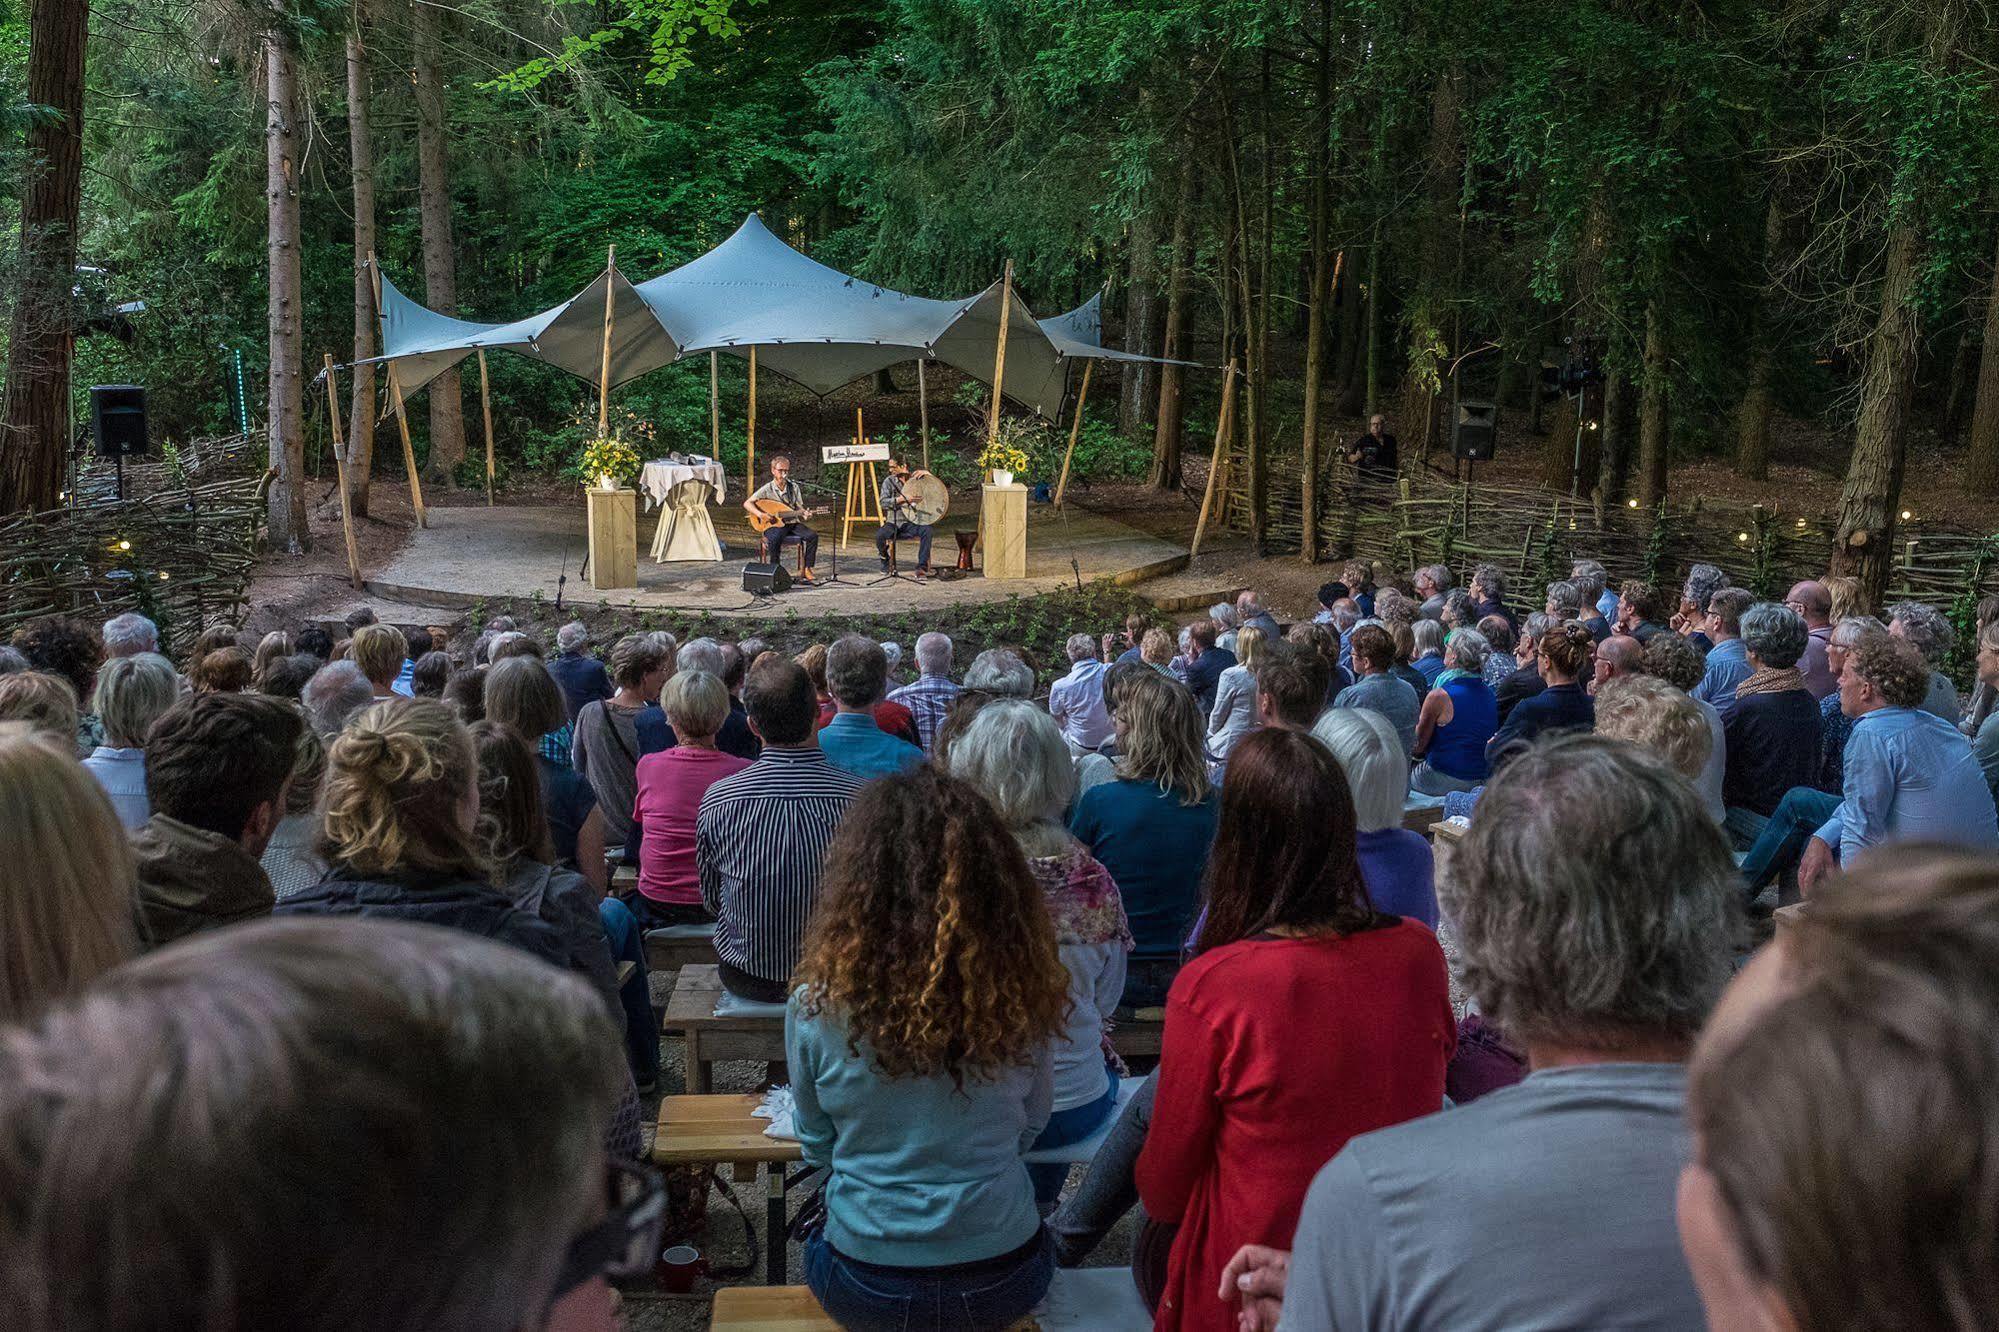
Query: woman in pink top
[{"x": 670, "y": 786}]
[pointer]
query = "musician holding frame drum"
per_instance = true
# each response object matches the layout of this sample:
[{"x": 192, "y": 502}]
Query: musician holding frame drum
[{"x": 911, "y": 504}]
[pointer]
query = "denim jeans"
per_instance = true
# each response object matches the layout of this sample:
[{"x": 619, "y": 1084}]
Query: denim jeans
[
  {"x": 1066, "y": 1127},
  {"x": 920, "y": 534},
  {"x": 1743, "y": 826},
  {"x": 1110, "y": 1186},
  {"x": 621, "y": 931},
  {"x": 992, "y": 1294},
  {"x": 1802, "y": 812}
]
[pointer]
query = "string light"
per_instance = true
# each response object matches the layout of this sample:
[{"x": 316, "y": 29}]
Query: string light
[
  {"x": 124, "y": 544},
  {"x": 1742, "y": 537},
  {"x": 1801, "y": 524},
  {"x": 163, "y": 575},
  {"x": 1906, "y": 515},
  {"x": 1631, "y": 503},
  {"x": 1592, "y": 425}
]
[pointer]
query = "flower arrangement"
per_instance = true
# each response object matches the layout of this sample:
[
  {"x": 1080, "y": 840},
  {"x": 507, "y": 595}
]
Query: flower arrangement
[
  {"x": 610, "y": 461},
  {"x": 1009, "y": 450}
]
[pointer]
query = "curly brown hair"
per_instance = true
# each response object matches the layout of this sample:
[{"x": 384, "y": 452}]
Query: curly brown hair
[
  {"x": 930, "y": 941},
  {"x": 63, "y": 645}
]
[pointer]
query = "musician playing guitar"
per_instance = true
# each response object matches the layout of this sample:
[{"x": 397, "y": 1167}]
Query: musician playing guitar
[
  {"x": 785, "y": 496},
  {"x": 898, "y": 518}
]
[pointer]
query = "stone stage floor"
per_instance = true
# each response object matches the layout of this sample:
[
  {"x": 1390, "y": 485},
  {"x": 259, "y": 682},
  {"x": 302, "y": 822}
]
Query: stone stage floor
[{"x": 475, "y": 554}]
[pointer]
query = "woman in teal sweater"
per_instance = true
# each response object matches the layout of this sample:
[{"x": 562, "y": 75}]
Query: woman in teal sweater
[{"x": 919, "y": 1037}]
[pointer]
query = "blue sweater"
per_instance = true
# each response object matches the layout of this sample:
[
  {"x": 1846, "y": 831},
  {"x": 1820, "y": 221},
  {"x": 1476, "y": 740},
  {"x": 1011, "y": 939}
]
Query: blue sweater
[
  {"x": 1156, "y": 850},
  {"x": 922, "y": 1174},
  {"x": 1397, "y": 867}
]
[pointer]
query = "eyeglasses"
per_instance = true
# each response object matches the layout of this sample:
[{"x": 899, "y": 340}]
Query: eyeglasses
[{"x": 625, "y": 1243}]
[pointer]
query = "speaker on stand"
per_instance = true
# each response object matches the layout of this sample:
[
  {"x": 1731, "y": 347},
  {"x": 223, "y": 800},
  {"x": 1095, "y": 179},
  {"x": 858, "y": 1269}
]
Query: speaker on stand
[
  {"x": 118, "y": 424},
  {"x": 1474, "y": 433}
]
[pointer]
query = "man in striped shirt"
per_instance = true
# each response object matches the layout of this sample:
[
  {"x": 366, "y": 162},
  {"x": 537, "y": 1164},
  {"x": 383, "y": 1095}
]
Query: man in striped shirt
[
  {"x": 929, "y": 700},
  {"x": 760, "y": 838}
]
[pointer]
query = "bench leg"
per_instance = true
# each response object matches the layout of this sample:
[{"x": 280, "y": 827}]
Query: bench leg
[
  {"x": 698, "y": 1069},
  {"x": 774, "y": 1223}
]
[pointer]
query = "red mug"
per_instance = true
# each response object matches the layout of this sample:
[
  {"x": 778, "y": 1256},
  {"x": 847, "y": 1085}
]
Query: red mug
[{"x": 678, "y": 1266}]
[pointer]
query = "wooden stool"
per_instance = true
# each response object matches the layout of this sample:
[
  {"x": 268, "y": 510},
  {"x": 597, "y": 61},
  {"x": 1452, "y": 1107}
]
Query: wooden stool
[
  {"x": 690, "y": 1014},
  {"x": 966, "y": 540},
  {"x": 723, "y": 1130}
]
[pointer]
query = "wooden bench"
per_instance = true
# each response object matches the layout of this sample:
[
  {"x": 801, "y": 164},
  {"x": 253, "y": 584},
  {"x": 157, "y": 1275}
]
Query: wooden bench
[
  {"x": 759, "y": 1037},
  {"x": 677, "y": 946},
  {"x": 1421, "y": 818},
  {"x": 1445, "y": 838},
  {"x": 1083, "y": 1299},
  {"x": 721, "y": 1130}
]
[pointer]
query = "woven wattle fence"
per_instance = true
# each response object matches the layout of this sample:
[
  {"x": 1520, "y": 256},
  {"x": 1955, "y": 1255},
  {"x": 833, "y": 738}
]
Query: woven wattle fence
[{"x": 178, "y": 548}]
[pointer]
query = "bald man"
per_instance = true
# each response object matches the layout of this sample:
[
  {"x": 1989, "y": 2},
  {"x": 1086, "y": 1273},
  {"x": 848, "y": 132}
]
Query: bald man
[
  {"x": 1811, "y": 600},
  {"x": 1620, "y": 654}
]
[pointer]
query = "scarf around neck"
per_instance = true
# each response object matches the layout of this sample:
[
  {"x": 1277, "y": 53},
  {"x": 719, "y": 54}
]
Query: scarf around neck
[{"x": 1768, "y": 681}]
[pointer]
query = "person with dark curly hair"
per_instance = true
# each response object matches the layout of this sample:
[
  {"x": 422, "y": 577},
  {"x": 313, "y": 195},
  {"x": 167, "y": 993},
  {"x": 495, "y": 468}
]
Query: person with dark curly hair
[
  {"x": 919, "y": 1038},
  {"x": 64, "y": 646}
]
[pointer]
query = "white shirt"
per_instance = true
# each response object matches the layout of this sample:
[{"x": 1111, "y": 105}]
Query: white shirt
[
  {"x": 1234, "y": 713},
  {"x": 1076, "y": 702},
  {"x": 122, "y": 774}
]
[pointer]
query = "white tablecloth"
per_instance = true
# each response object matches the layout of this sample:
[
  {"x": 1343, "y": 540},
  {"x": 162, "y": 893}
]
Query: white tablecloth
[{"x": 659, "y": 477}]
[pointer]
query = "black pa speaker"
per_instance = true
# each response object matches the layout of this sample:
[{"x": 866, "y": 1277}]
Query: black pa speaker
[
  {"x": 765, "y": 580},
  {"x": 1472, "y": 434},
  {"x": 118, "y": 419}
]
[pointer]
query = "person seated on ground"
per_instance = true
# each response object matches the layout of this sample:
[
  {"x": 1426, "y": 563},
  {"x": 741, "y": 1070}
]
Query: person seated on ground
[
  {"x": 1562, "y": 659},
  {"x": 1597, "y": 601},
  {"x": 1428, "y": 658},
  {"x": 1488, "y": 592},
  {"x": 918, "y": 1036},
  {"x": 1013, "y": 755},
  {"x": 128, "y": 635},
  {"x": 857, "y": 676},
  {"x": 1076, "y": 701},
  {"x": 520, "y": 693},
  {"x": 929, "y": 697},
  {"x": 333, "y": 695},
  {"x": 1223, "y": 616},
  {"x": 1696, "y": 602},
  {"x": 43, "y": 701},
  {"x": 1772, "y": 728},
  {"x": 432, "y": 671},
  {"x": 291, "y": 859},
  {"x": 605, "y": 748},
  {"x": 1249, "y": 610},
  {"x": 226, "y": 670},
  {"x": 1727, "y": 655},
  {"x": 1431, "y": 582},
  {"x": 132, "y": 692},
  {"x": 1640, "y": 610},
  {"x": 1234, "y": 712},
  {"x": 444, "y": 1097},
  {"x": 1237, "y": 1121},
  {"x": 1396, "y": 865},
  {"x": 1499, "y": 638},
  {"x": 72, "y": 649},
  {"x": 1649, "y": 712},
  {"x": 1209, "y": 662},
  {"x": 1151, "y": 826},
  {"x": 1457, "y": 720},
  {"x": 671, "y": 784},
  {"x": 1290, "y": 688},
  {"x": 1671, "y": 658},
  {"x": 1930, "y": 630},
  {"x": 760, "y": 836},
  {"x": 380, "y": 651},
  {"x": 1867, "y": 1042},
  {"x": 581, "y": 676},
  {"x": 1375, "y": 689},
  {"x": 1814, "y": 606},
  {"x": 216, "y": 770},
  {"x": 1594, "y": 905},
  {"x": 70, "y": 920}
]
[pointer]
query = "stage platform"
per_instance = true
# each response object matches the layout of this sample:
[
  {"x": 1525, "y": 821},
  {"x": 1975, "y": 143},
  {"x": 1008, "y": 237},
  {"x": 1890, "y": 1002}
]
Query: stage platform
[{"x": 476, "y": 554}]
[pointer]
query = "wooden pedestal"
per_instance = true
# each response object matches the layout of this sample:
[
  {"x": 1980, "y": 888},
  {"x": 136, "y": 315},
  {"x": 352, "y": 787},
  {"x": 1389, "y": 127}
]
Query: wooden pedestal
[
  {"x": 614, "y": 538},
  {"x": 1003, "y": 530}
]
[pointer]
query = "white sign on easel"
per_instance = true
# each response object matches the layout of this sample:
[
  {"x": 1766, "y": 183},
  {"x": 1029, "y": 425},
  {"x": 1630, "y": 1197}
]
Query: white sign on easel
[{"x": 872, "y": 451}]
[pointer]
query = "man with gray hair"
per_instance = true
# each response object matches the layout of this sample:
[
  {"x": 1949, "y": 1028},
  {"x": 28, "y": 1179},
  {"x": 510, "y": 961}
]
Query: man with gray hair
[
  {"x": 130, "y": 634},
  {"x": 1594, "y": 902},
  {"x": 1814, "y": 605},
  {"x": 1593, "y": 580},
  {"x": 1432, "y": 582},
  {"x": 1929, "y": 630},
  {"x": 335, "y": 692},
  {"x": 1250, "y": 611},
  {"x": 929, "y": 699},
  {"x": 1696, "y": 596},
  {"x": 1727, "y": 657},
  {"x": 1076, "y": 701},
  {"x": 1526, "y": 681},
  {"x": 1001, "y": 673},
  {"x": 856, "y": 676},
  {"x": 581, "y": 676}
]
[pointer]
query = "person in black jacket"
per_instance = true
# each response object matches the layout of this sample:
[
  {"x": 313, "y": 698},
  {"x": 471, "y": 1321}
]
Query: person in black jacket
[
  {"x": 1563, "y": 658},
  {"x": 1204, "y": 672}
]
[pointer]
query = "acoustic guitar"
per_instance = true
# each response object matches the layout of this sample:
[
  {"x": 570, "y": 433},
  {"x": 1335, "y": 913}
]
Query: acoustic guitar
[{"x": 765, "y": 514}]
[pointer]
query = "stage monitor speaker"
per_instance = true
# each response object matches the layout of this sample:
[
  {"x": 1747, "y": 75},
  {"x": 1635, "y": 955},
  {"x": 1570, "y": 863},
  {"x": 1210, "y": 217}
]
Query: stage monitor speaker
[
  {"x": 765, "y": 580},
  {"x": 1472, "y": 434},
  {"x": 118, "y": 419}
]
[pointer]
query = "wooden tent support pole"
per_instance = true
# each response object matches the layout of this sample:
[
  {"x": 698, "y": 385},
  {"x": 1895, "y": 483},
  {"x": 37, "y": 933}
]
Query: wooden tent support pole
[
  {"x": 1222, "y": 426},
  {"x": 1075, "y": 429},
  {"x": 486, "y": 411},
  {"x": 714, "y": 404},
  {"x": 340, "y": 473},
  {"x": 396, "y": 397},
  {"x": 604, "y": 371},
  {"x": 999, "y": 353},
  {"x": 923, "y": 411},
  {"x": 750, "y": 481}
]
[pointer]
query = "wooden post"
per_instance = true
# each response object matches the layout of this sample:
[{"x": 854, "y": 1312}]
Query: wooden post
[
  {"x": 396, "y": 397},
  {"x": 604, "y": 374},
  {"x": 486, "y": 410},
  {"x": 923, "y": 411},
  {"x": 999, "y": 353},
  {"x": 750, "y": 484},
  {"x": 1222, "y": 426},
  {"x": 340, "y": 474},
  {"x": 715, "y": 404},
  {"x": 1075, "y": 429}
]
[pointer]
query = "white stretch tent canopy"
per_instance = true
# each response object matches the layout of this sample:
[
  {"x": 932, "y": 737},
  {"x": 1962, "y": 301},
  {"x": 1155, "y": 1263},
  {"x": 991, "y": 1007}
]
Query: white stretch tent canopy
[{"x": 808, "y": 322}]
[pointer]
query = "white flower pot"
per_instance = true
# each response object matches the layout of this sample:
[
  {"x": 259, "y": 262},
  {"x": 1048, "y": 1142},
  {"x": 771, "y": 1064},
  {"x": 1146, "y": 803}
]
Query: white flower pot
[
  {"x": 606, "y": 483},
  {"x": 1002, "y": 477}
]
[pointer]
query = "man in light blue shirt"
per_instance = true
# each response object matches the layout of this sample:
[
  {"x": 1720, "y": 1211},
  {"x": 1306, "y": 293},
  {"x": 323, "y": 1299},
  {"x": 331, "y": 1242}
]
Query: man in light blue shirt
[
  {"x": 856, "y": 675},
  {"x": 1375, "y": 688},
  {"x": 1728, "y": 660},
  {"x": 1909, "y": 775},
  {"x": 1076, "y": 701}
]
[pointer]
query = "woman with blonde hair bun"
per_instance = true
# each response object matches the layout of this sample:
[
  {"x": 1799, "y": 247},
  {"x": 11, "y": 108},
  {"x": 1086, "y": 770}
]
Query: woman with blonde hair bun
[
  {"x": 71, "y": 919},
  {"x": 1234, "y": 713}
]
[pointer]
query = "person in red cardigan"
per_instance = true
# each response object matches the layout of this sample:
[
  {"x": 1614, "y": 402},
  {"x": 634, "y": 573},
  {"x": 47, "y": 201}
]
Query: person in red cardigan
[{"x": 1305, "y": 1018}]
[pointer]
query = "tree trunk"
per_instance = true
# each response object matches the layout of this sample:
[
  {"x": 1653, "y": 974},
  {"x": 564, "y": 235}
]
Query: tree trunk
[
  {"x": 440, "y": 274},
  {"x": 1864, "y": 545},
  {"x": 1423, "y": 312},
  {"x": 35, "y": 433},
  {"x": 1347, "y": 293},
  {"x": 1983, "y": 462},
  {"x": 1316, "y": 284},
  {"x": 1140, "y": 319},
  {"x": 1652, "y": 436},
  {"x": 361, "y": 414},
  {"x": 1752, "y": 434},
  {"x": 1613, "y": 475},
  {"x": 289, "y": 529},
  {"x": 1259, "y": 438},
  {"x": 1558, "y": 450},
  {"x": 1167, "y": 434}
]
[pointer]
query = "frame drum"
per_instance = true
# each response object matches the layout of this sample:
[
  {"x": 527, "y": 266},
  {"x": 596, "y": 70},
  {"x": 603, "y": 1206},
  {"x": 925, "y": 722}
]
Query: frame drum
[{"x": 929, "y": 498}]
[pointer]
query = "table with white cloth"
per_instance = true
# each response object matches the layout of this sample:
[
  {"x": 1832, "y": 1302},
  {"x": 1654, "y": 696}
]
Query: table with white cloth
[{"x": 682, "y": 490}]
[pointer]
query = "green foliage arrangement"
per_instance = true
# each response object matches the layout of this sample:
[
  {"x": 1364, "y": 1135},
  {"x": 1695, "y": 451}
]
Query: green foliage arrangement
[{"x": 610, "y": 455}]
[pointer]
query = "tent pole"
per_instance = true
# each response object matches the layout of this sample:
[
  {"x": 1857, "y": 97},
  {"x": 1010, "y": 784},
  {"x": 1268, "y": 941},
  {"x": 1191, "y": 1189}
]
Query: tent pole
[
  {"x": 715, "y": 404},
  {"x": 1075, "y": 429},
  {"x": 486, "y": 410},
  {"x": 923, "y": 411},
  {"x": 340, "y": 473},
  {"x": 604, "y": 375},
  {"x": 1222, "y": 426},
  {"x": 396, "y": 397},
  {"x": 999, "y": 353},
  {"x": 750, "y": 482}
]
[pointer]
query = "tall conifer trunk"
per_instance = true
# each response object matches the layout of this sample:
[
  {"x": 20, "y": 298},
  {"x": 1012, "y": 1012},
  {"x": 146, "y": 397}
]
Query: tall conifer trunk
[
  {"x": 440, "y": 272},
  {"x": 361, "y": 152},
  {"x": 289, "y": 529}
]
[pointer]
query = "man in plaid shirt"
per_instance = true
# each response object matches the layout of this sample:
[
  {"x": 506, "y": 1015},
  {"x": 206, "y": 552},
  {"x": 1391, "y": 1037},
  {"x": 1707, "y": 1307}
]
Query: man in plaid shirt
[{"x": 931, "y": 697}]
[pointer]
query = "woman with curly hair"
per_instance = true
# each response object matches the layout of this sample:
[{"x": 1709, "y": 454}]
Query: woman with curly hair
[
  {"x": 919, "y": 1036},
  {"x": 71, "y": 650}
]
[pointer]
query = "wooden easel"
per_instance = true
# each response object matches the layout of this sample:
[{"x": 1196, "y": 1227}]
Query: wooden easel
[{"x": 863, "y": 490}]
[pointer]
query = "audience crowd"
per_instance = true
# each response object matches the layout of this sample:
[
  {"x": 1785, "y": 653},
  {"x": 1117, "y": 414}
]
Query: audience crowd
[{"x": 291, "y": 919}]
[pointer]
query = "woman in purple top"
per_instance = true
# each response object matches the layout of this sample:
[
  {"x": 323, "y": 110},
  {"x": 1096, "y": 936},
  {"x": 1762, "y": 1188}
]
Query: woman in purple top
[{"x": 1395, "y": 864}]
